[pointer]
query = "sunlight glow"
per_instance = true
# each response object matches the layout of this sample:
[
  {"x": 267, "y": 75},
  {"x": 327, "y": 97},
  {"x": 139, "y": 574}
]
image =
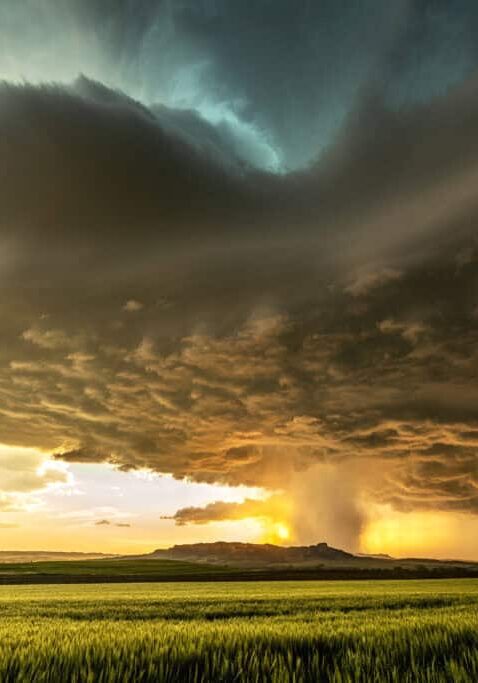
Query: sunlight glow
[
  {"x": 275, "y": 532},
  {"x": 282, "y": 531},
  {"x": 407, "y": 534}
]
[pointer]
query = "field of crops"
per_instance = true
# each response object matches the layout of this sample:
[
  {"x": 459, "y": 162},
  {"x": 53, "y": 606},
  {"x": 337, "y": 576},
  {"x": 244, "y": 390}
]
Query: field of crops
[{"x": 279, "y": 631}]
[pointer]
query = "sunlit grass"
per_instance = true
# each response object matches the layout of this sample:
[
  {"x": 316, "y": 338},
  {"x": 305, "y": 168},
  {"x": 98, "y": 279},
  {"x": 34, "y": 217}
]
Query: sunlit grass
[{"x": 280, "y": 631}]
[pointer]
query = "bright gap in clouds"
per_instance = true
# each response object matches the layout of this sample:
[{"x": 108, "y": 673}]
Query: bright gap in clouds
[
  {"x": 191, "y": 89},
  {"x": 426, "y": 533},
  {"x": 25, "y": 476},
  {"x": 49, "y": 505}
]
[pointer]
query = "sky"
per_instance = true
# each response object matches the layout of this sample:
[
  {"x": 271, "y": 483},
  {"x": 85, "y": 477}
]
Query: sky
[{"x": 239, "y": 274}]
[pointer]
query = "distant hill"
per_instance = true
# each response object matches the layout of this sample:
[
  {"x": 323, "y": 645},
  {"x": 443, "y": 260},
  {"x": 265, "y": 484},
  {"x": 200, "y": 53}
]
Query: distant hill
[
  {"x": 254, "y": 553},
  {"x": 9, "y": 556},
  {"x": 258, "y": 555},
  {"x": 221, "y": 562}
]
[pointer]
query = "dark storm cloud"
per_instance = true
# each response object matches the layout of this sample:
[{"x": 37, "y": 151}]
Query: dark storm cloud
[
  {"x": 167, "y": 306},
  {"x": 105, "y": 161},
  {"x": 286, "y": 72}
]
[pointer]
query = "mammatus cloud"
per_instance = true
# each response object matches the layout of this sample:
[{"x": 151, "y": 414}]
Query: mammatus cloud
[{"x": 169, "y": 306}]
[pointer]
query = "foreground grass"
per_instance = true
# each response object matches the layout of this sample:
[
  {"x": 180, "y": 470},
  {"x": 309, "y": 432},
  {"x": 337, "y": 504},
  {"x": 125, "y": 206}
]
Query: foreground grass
[{"x": 304, "y": 631}]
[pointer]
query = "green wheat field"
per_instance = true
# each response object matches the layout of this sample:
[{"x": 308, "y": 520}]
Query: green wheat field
[{"x": 255, "y": 631}]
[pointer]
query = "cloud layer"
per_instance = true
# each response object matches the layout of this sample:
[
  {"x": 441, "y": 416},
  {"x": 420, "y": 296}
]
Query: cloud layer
[{"x": 168, "y": 306}]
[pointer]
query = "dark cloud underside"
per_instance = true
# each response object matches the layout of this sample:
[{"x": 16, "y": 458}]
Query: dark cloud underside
[{"x": 167, "y": 305}]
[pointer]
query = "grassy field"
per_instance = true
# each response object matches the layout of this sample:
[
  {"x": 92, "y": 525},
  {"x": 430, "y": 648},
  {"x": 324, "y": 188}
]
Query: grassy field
[
  {"x": 111, "y": 570},
  {"x": 280, "y": 631},
  {"x": 139, "y": 571}
]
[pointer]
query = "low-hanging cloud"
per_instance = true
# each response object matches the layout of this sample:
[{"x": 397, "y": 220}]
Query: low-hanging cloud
[{"x": 220, "y": 511}]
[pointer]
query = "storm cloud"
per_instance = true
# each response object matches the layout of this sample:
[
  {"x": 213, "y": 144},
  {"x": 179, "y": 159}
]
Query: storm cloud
[{"x": 170, "y": 302}]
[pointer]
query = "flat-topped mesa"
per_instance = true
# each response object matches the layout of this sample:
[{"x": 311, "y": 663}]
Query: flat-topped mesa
[{"x": 254, "y": 552}]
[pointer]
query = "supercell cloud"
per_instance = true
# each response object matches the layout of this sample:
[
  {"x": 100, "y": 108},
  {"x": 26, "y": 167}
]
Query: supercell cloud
[{"x": 239, "y": 245}]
